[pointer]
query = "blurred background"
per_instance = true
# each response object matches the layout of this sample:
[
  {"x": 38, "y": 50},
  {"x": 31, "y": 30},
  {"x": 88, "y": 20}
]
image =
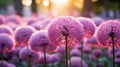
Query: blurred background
[{"x": 52, "y": 8}]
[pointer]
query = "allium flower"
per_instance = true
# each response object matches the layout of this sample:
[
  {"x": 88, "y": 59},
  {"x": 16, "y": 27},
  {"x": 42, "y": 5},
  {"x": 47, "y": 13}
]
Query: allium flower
[
  {"x": 92, "y": 57},
  {"x": 3, "y": 63},
  {"x": 88, "y": 25},
  {"x": 61, "y": 50},
  {"x": 62, "y": 26},
  {"x": 23, "y": 33},
  {"x": 117, "y": 60},
  {"x": 12, "y": 25},
  {"x": 55, "y": 57},
  {"x": 31, "y": 20},
  {"x": 14, "y": 18},
  {"x": 76, "y": 62},
  {"x": 48, "y": 58},
  {"x": 15, "y": 60},
  {"x": 39, "y": 40},
  {"x": 29, "y": 55},
  {"x": 6, "y": 43},
  {"x": 36, "y": 26},
  {"x": 11, "y": 65},
  {"x": 97, "y": 52},
  {"x": 2, "y": 19},
  {"x": 86, "y": 49},
  {"x": 6, "y": 29},
  {"x": 97, "y": 20},
  {"x": 75, "y": 52},
  {"x": 105, "y": 30}
]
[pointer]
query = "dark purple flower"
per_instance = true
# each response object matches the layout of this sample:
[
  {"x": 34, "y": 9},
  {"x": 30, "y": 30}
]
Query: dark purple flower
[
  {"x": 2, "y": 19},
  {"x": 61, "y": 50},
  {"x": 3, "y": 63},
  {"x": 29, "y": 55},
  {"x": 75, "y": 52},
  {"x": 63, "y": 25},
  {"x": 97, "y": 52},
  {"x": 104, "y": 30},
  {"x": 88, "y": 25},
  {"x": 6, "y": 29},
  {"x": 55, "y": 57},
  {"x": 86, "y": 49},
  {"x": 23, "y": 33},
  {"x": 48, "y": 58},
  {"x": 76, "y": 62},
  {"x": 14, "y": 18},
  {"x": 6, "y": 43},
  {"x": 97, "y": 20},
  {"x": 117, "y": 60},
  {"x": 39, "y": 40},
  {"x": 92, "y": 57}
]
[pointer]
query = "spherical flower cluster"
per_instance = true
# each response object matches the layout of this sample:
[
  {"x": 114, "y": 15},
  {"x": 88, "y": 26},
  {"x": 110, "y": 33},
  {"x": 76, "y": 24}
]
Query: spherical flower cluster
[
  {"x": 23, "y": 33},
  {"x": 2, "y": 19},
  {"x": 88, "y": 25},
  {"x": 48, "y": 58},
  {"x": 104, "y": 33},
  {"x": 6, "y": 29},
  {"x": 75, "y": 61},
  {"x": 6, "y": 64},
  {"x": 14, "y": 18},
  {"x": 97, "y": 20},
  {"x": 29, "y": 55},
  {"x": 39, "y": 40},
  {"x": 75, "y": 52},
  {"x": 65, "y": 26},
  {"x": 6, "y": 42}
]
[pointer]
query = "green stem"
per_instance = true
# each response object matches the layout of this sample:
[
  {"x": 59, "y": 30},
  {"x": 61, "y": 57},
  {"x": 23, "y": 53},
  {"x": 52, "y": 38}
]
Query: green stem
[
  {"x": 70, "y": 57},
  {"x": 81, "y": 54},
  {"x": 44, "y": 57},
  {"x": 66, "y": 51}
]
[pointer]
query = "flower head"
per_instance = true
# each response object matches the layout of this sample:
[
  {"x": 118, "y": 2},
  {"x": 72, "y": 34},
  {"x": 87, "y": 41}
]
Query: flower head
[
  {"x": 6, "y": 42},
  {"x": 107, "y": 30},
  {"x": 23, "y": 33},
  {"x": 65, "y": 26},
  {"x": 88, "y": 25}
]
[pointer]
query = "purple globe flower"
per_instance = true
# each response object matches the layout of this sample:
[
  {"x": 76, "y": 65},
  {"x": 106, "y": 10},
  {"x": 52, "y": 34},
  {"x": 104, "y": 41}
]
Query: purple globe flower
[
  {"x": 55, "y": 57},
  {"x": 6, "y": 29},
  {"x": 14, "y": 18},
  {"x": 75, "y": 52},
  {"x": 86, "y": 49},
  {"x": 39, "y": 40},
  {"x": 11, "y": 65},
  {"x": 62, "y": 26},
  {"x": 97, "y": 20},
  {"x": 6, "y": 43},
  {"x": 93, "y": 42},
  {"x": 92, "y": 57},
  {"x": 29, "y": 55},
  {"x": 2, "y": 19},
  {"x": 31, "y": 20},
  {"x": 97, "y": 52},
  {"x": 3, "y": 63},
  {"x": 15, "y": 60},
  {"x": 88, "y": 25},
  {"x": 117, "y": 60},
  {"x": 22, "y": 34},
  {"x": 105, "y": 30},
  {"x": 48, "y": 58},
  {"x": 76, "y": 62},
  {"x": 61, "y": 50},
  {"x": 12, "y": 25},
  {"x": 36, "y": 26}
]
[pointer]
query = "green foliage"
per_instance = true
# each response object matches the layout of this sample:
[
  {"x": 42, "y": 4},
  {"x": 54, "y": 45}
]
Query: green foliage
[{"x": 3, "y": 3}]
